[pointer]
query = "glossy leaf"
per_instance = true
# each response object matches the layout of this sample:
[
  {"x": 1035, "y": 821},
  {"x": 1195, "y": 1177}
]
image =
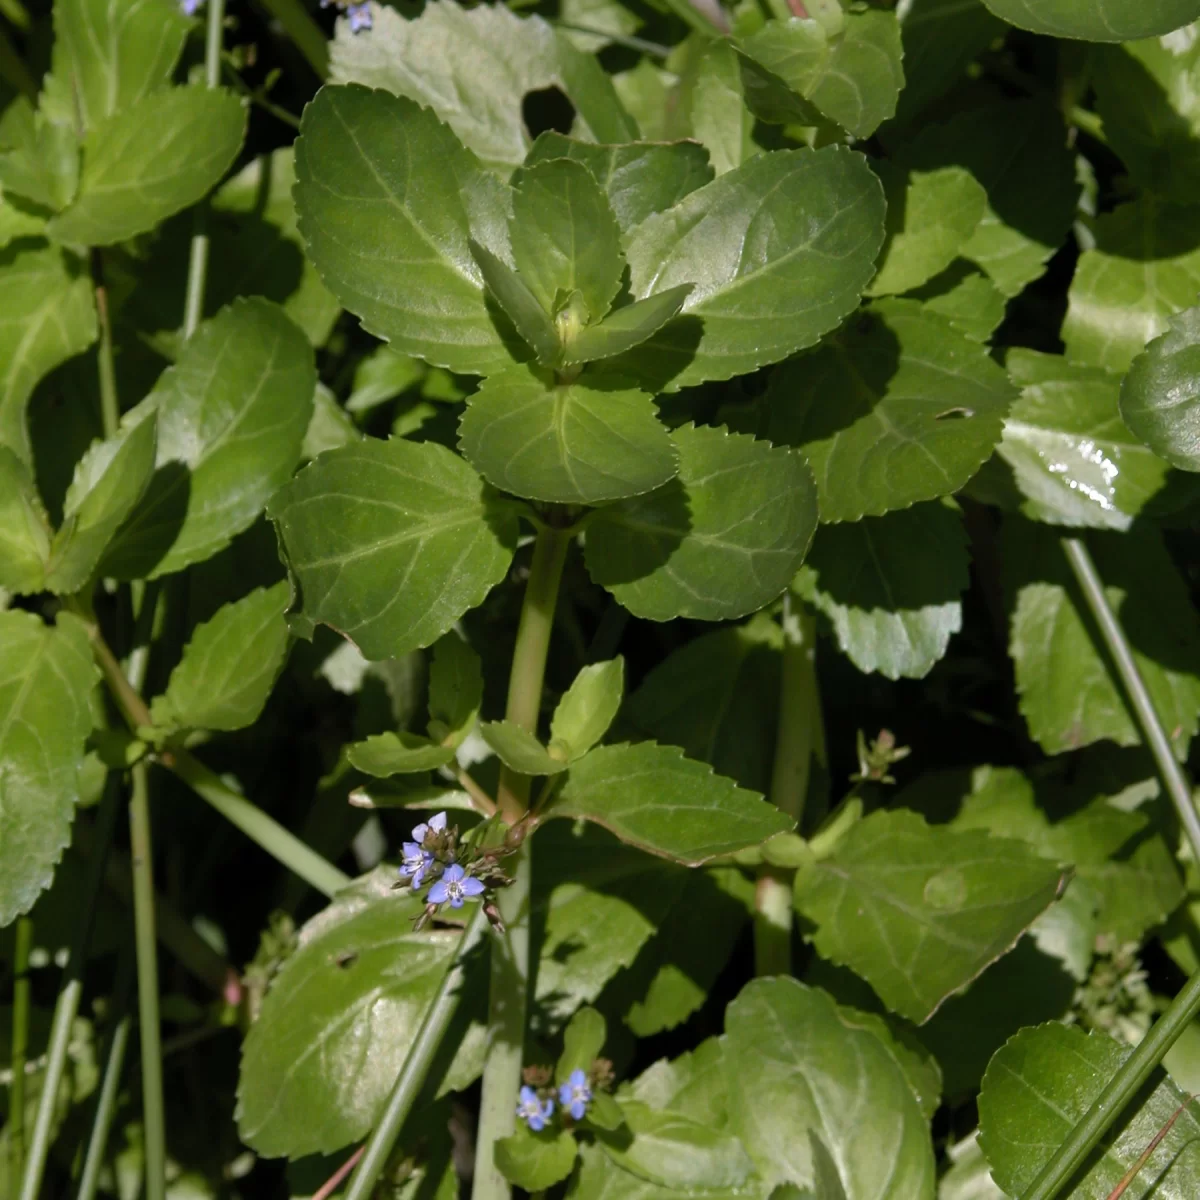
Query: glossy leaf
[
  {"x": 942, "y": 906},
  {"x": 229, "y": 667},
  {"x": 509, "y": 290},
  {"x": 852, "y": 77},
  {"x": 891, "y": 587},
  {"x": 652, "y": 797},
  {"x": 1069, "y": 693},
  {"x": 364, "y": 216},
  {"x": 24, "y": 528},
  {"x": 149, "y": 161},
  {"x": 536, "y": 1161},
  {"x": 1160, "y": 395},
  {"x": 721, "y": 540},
  {"x": 897, "y": 408},
  {"x": 46, "y": 678},
  {"x": 109, "y": 481},
  {"x": 779, "y": 250},
  {"x": 564, "y": 235},
  {"x": 1072, "y": 457},
  {"x": 818, "y": 1069},
  {"x": 931, "y": 215},
  {"x": 1116, "y": 305},
  {"x": 627, "y": 326},
  {"x": 391, "y": 542},
  {"x": 639, "y": 178},
  {"x": 1096, "y": 20},
  {"x": 585, "y": 442},
  {"x": 47, "y": 315},
  {"x": 520, "y": 750},
  {"x": 716, "y": 107},
  {"x": 337, "y": 1023},
  {"x": 588, "y": 707},
  {"x": 1043, "y": 1081},
  {"x": 232, "y": 414}
]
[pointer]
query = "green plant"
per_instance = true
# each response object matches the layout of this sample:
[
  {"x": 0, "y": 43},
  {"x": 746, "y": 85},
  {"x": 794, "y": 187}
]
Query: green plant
[{"x": 635, "y": 564}]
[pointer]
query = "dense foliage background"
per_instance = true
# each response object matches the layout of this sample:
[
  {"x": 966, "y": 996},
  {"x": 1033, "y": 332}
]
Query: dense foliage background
[{"x": 761, "y": 435}]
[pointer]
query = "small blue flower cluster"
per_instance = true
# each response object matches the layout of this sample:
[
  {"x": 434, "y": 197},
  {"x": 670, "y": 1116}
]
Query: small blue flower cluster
[
  {"x": 536, "y": 1109},
  {"x": 358, "y": 13}
]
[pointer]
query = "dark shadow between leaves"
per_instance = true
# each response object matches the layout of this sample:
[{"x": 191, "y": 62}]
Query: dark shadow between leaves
[
  {"x": 634, "y": 538},
  {"x": 657, "y": 361},
  {"x": 150, "y": 531}
]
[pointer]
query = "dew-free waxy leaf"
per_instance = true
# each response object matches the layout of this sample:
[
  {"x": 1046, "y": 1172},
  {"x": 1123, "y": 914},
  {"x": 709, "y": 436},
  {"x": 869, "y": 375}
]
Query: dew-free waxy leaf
[
  {"x": 1072, "y": 457},
  {"x": 24, "y": 527},
  {"x": 519, "y": 750},
  {"x": 46, "y": 677},
  {"x": 39, "y": 160},
  {"x": 229, "y": 667},
  {"x": 47, "y": 315},
  {"x": 719, "y": 541},
  {"x": 779, "y": 250},
  {"x": 391, "y": 542},
  {"x": 588, "y": 707},
  {"x": 896, "y": 408},
  {"x": 570, "y": 443},
  {"x": 536, "y": 1161},
  {"x": 232, "y": 414},
  {"x": 385, "y": 754},
  {"x": 890, "y": 587},
  {"x": 652, "y": 797},
  {"x": 815, "y": 1067},
  {"x": 713, "y": 96},
  {"x": 1160, "y": 394},
  {"x": 919, "y": 911},
  {"x": 1097, "y": 20},
  {"x": 509, "y": 290},
  {"x": 383, "y": 194},
  {"x": 1044, "y": 1080},
  {"x": 626, "y": 327},
  {"x": 149, "y": 161}
]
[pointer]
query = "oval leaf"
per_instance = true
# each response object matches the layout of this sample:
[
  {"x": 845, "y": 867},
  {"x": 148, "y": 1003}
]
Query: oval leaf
[
  {"x": 721, "y": 540},
  {"x": 588, "y": 707},
  {"x": 387, "y": 754},
  {"x": 391, "y": 542},
  {"x": 24, "y": 528},
  {"x": 1097, "y": 20},
  {"x": 519, "y": 750},
  {"x": 536, "y": 1161}
]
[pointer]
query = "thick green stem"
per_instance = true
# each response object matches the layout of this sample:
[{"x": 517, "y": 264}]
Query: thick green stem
[
  {"x": 154, "y": 1125},
  {"x": 20, "y": 1048},
  {"x": 67, "y": 1005},
  {"x": 416, "y": 1066},
  {"x": 1117, "y": 1093},
  {"x": 110, "y": 409},
  {"x": 509, "y": 979},
  {"x": 1169, "y": 770},
  {"x": 303, "y": 30}
]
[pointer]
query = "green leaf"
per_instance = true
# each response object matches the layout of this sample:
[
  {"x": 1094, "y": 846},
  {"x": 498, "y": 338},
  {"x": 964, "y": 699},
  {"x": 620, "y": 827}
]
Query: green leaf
[
  {"x": 779, "y": 250},
  {"x": 385, "y": 754},
  {"x": 110, "y": 54},
  {"x": 519, "y": 750},
  {"x": 1097, "y": 20},
  {"x": 588, "y": 707},
  {"x": 931, "y": 215},
  {"x": 891, "y": 587},
  {"x": 232, "y": 414},
  {"x": 966, "y": 297},
  {"x": 149, "y": 161},
  {"x": 1069, "y": 694},
  {"x": 564, "y": 235},
  {"x": 455, "y": 690},
  {"x": 652, "y": 797},
  {"x": 46, "y": 677},
  {"x": 536, "y": 1161},
  {"x": 391, "y": 542},
  {"x": 585, "y": 442},
  {"x": 627, "y": 326},
  {"x": 109, "y": 481},
  {"x": 47, "y": 315},
  {"x": 1018, "y": 151},
  {"x": 942, "y": 905},
  {"x": 1115, "y": 304},
  {"x": 1043, "y": 1081},
  {"x": 719, "y": 541},
  {"x": 583, "y": 1039},
  {"x": 714, "y": 96},
  {"x": 362, "y": 218},
  {"x": 520, "y": 305},
  {"x": 896, "y": 408},
  {"x": 640, "y": 178},
  {"x": 1159, "y": 393},
  {"x": 812, "y": 1068},
  {"x": 229, "y": 667},
  {"x": 673, "y": 1151},
  {"x": 41, "y": 159},
  {"x": 473, "y": 67},
  {"x": 852, "y": 77},
  {"x": 24, "y": 528},
  {"x": 1071, "y": 455},
  {"x": 338, "y": 1022}
]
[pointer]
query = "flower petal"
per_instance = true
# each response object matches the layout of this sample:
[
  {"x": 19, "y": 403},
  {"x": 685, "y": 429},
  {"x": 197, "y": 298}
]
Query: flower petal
[
  {"x": 438, "y": 893},
  {"x": 438, "y": 823},
  {"x": 472, "y": 886},
  {"x": 453, "y": 873}
]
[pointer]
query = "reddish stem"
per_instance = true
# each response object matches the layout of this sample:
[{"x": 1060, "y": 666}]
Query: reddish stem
[{"x": 334, "y": 1181}]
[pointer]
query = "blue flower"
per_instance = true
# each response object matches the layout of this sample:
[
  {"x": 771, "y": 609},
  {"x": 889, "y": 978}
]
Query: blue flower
[
  {"x": 190, "y": 8},
  {"x": 575, "y": 1094},
  {"x": 359, "y": 16},
  {"x": 536, "y": 1112},
  {"x": 454, "y": 887},
  {"x": 416, "y": 863},
  {"x": 435, "y": 824}
]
